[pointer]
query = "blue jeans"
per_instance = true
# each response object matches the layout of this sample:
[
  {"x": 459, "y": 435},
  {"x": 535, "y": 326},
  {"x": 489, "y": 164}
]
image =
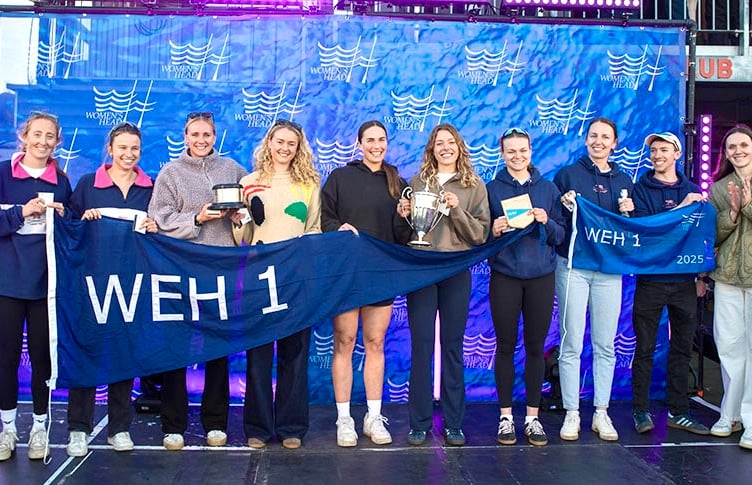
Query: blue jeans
[{"x": 577, "y": 290}]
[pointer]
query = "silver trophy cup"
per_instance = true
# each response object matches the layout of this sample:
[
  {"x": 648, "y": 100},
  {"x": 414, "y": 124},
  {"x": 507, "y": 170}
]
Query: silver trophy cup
[{"x": 424, "y": 213}]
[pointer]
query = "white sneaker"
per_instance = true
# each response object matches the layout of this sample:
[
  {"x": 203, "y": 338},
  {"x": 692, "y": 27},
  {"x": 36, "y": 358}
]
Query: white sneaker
[
  {"x": 746, "y": 441},
  {"x": 346, "y": 435},
  {"x": 216, "y": 437},
  {"x": 8, "y": 441},
  {"x": 39, "y": 447},
  {"x": 121, "y": 441},
  {"x": 77, "y": 445},
  {"x": 723, "y": 427},
  {"x": 173, "y": 441},
  {"x": 373, "y": 427},
  {"x": 570, "y": 430},
  {"x": 604, "y": 427}
]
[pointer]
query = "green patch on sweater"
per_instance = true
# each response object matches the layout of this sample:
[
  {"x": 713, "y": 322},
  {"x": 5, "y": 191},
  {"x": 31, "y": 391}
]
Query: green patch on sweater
[{"x": 297, "y": 210}]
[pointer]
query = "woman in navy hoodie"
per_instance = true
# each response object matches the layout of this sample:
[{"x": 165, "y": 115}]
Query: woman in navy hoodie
[
  {"x": 29, "y": 183},
  {"x": 123, "y": 186},
  {"x": 601, "y": 182},
  {"x": 522, "y": 280}
]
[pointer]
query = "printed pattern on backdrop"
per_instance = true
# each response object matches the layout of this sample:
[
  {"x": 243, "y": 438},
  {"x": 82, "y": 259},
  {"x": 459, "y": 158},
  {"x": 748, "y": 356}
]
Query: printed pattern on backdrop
[{"x": 330, "y": 73}]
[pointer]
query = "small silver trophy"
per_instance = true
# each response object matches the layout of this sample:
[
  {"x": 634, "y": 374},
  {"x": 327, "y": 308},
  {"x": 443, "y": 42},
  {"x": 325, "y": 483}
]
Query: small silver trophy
[{"x": 424, "y": 212}]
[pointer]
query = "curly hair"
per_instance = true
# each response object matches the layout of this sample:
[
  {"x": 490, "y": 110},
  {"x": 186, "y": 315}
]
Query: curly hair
[
  {"x": 429, "y": 167},
  {"x": 302, "y": 170}
]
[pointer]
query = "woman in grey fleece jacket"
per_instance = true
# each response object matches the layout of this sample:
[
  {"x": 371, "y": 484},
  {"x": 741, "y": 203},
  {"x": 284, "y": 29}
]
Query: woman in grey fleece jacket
[
  {"x": 182, "y": 195},
  {"x": 446, "y": 168}
]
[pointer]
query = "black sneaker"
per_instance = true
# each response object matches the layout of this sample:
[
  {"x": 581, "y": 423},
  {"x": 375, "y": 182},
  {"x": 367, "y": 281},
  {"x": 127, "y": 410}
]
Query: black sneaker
[
  {"x": 416, "y": 437},
  {"x": 506, "y": 434},
  {"x": 454, "y": 437},
  {"x": 535, "y": 434},
  {"x": 642, "y": 421},
  {"x": 686, "y": 422}
]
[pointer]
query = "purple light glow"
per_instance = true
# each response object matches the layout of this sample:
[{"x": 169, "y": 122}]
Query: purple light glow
[
  {"x": 705, "y": 138},
  {"x": 580, "y": 4},
  {"x": 704, "y": 186},
  {"x": 704, "y": 175},
  {"x": 705, "y": 167},
  {"x": 705, "y": 119},
  {"x": 706, "y": 129}
]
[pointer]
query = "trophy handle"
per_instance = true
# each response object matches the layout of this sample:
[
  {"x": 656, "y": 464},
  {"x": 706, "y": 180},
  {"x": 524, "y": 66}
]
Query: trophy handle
[{"x": 407, "y": 193}]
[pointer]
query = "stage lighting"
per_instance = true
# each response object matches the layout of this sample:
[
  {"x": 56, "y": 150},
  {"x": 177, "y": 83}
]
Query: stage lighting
[
  {"x": 577, "y": 4},
  {"x": 704, "y": 144}
]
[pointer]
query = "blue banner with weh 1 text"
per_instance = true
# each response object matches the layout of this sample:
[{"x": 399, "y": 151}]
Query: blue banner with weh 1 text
[
  {"x": 125, "y": 304},
  {"x": 672, "y": 242}
]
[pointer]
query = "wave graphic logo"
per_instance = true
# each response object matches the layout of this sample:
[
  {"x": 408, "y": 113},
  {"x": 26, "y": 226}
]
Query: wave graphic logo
[
  {"x": 692, "y": 220},
  {"x": 112, "y": 106},
  {"x": 624, "y": 348},
  {"x": 484, "y": 66},
  {"x": 261, "y": 110},
  {"x": 188, "y": 61},
  {"x": 323, "y": 350},
  {"x": 479, "y": 351},
  {"x": 631, "y": 162},
  {"x": 338, "y": 63},
  {"x": 556, "y": 116},
  {"x": 397, "y": 392},
  {"x": 52, "y": 52},
  {"x": 411, "y": 112},
  {"x": 626, "y": 72},
  {"x": 176, "y": 146},
  {"x": 332, "y": 155},
  {"x": 486, "y": 160}
]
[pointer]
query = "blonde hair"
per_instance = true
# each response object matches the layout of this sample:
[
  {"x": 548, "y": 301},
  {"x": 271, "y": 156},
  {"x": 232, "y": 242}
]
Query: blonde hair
[
  {"x": 430, "y": 166},
  {"x": 205, "y": 116},
  {"x": 33, "y": 116},
  {"x": 302, "y": 170}
]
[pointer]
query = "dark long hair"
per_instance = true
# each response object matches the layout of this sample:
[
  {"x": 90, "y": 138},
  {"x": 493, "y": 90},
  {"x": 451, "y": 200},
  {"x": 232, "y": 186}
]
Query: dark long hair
[
  {"x": 392, "y": 175},
  {"x": 724, "y": 166}
]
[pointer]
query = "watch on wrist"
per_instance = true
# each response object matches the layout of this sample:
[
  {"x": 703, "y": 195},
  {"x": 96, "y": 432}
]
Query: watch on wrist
[{"x": 195, "y": 221}]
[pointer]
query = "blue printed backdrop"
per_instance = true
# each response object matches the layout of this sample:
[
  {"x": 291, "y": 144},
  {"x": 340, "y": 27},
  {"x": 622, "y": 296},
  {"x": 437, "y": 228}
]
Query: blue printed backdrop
[{"x": 330, "y": 73}]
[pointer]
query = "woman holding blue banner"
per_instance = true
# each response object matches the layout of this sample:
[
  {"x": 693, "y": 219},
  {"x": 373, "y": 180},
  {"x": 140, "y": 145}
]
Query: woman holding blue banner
[
  {"x": 445, "y": 170},
  {"x": 282, "y": 194},
  {"x": 522, "y": 278},
  {"x": 180, "y": 206},
  {"x": 119, "y": 189},
  {"x": 600, "y": 181},
  {"x": 361, "y": 196},
  {"x": 731, "y": 194},
  {"x": 30, "y": 183}
]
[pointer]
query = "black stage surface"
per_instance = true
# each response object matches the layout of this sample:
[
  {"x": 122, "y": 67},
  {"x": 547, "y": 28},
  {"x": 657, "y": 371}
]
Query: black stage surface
[{"x": 659, "y": 457}]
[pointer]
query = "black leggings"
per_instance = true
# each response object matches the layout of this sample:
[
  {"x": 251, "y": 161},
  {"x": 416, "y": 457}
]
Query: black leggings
[
  {"x": 535, "y": 299},
  {"x": 13, "y": 313}
]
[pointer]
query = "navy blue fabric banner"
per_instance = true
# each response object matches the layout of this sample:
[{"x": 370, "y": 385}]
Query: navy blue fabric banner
[
  {"x": 127, "y": 304},
  {"x": 672, "y": 242}
]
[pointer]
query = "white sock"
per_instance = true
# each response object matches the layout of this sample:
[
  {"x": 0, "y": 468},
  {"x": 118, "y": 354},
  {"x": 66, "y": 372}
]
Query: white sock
[
  {"x": 343, "y": 409},
  {"x": 374, "y": 407},
  {"x": 529, "y": 418},
  {"x": 39, "y": 421},
  {"x": 601, "y": 411},
  {"x": 507, "y": 416},
  {"x": 573, "y": 412},
  {"x": 8, "y": 417}
]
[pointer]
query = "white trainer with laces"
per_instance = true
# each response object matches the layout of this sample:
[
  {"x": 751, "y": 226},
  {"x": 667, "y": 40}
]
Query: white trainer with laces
[
  {"x": 8, "y": 441},
  {"x": 746, "y": 441},
  {"x": 77, "y": 445},
  {"x": 346, "y": 435},
  {"x": 39, "y": 447},
  {"x": 724, "y": 427},
  {"x": 604, "y": 427},
  {"x": 570, "y": 430},
  {"x": 121, "y": 441},
  {"x": 216, "y": 437},
  {"x": 374, "y": 427},
  {"x": 173, "y": 441}
]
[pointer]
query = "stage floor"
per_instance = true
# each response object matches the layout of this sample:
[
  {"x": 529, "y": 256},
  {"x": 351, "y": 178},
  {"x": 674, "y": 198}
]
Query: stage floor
[{"x": 662, "y": 456}]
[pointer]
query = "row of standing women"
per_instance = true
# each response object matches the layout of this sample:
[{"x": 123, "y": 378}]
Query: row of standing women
[{"x": 283, "y": 198}]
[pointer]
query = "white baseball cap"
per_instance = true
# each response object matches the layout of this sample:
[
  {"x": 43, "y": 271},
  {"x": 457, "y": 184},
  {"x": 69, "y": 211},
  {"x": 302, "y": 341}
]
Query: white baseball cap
[{"x": 665, "y": 136}]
